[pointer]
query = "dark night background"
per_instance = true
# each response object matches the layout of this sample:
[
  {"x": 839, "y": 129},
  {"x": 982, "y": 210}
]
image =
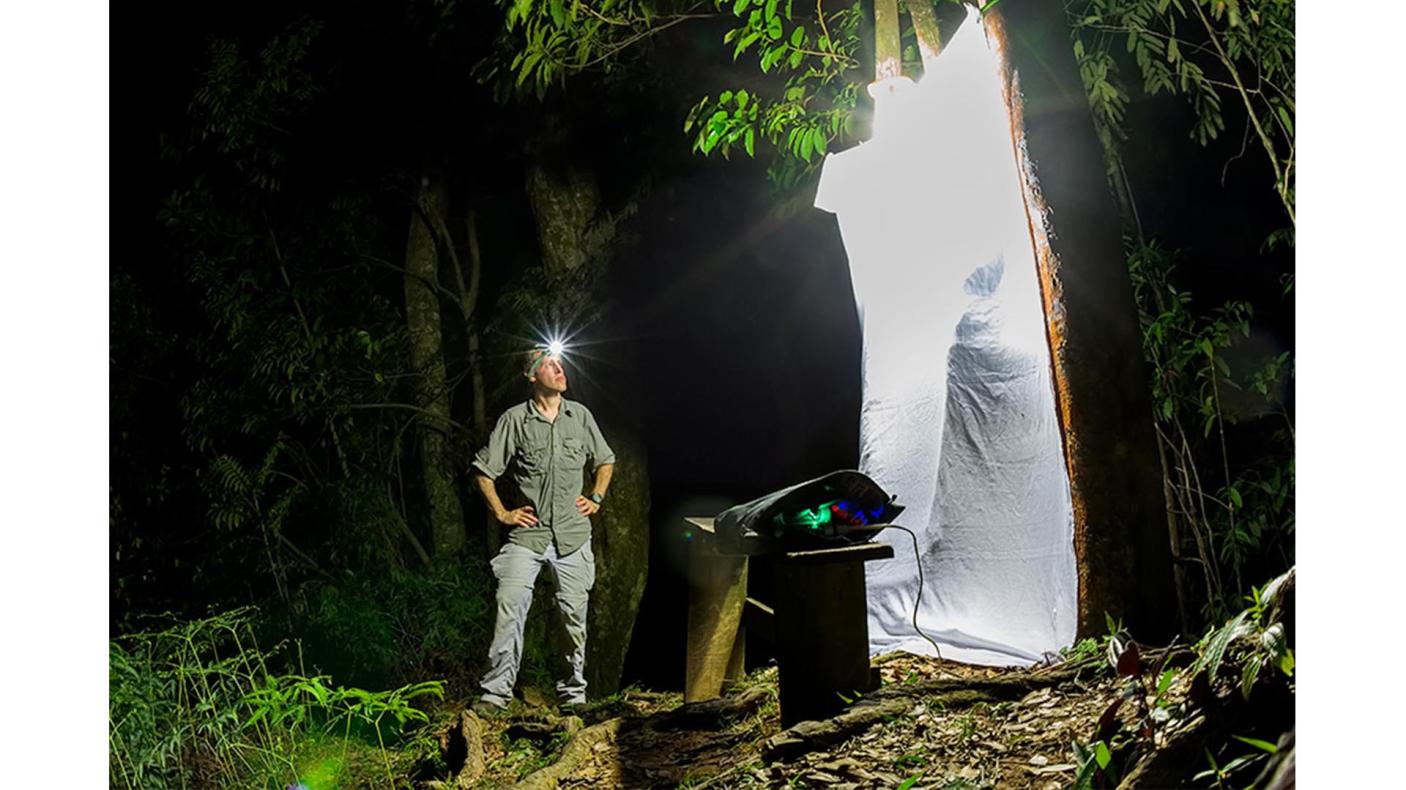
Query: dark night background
[{"x": 738, "y": 299}]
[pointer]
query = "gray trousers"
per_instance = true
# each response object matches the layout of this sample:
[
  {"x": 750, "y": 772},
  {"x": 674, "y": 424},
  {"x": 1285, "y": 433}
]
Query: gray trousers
[{"x": 516, "y": 568}]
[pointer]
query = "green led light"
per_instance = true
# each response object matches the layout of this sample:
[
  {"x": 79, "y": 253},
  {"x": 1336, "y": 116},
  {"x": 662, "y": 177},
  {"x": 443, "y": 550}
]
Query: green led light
[{"x": 809, "y": 518}]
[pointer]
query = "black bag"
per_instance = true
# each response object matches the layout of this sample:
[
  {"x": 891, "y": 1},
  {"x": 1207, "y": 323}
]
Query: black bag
[{"x": 839, "y": 508}]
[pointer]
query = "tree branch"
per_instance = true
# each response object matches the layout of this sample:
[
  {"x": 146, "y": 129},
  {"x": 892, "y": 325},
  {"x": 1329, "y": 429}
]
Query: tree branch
[{"x": 411, "y": 407}]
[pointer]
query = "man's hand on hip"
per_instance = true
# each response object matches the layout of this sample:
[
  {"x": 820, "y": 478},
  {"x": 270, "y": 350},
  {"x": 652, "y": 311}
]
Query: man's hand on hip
[
  {"x": 523, "y": 516},
  {"x": 586, "y": 506}
]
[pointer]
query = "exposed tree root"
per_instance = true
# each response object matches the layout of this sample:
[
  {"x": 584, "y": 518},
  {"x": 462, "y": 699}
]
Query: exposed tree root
[
  {"x": 576, "y": 751},
  {"x": 461, "y": 746},
  {"x": 713, "y": 714},
  {"x": 809, "y": 736}
]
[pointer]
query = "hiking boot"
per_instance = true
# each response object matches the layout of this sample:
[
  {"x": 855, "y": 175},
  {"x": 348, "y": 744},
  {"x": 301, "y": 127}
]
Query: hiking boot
[{"x": 486, "y": 709}]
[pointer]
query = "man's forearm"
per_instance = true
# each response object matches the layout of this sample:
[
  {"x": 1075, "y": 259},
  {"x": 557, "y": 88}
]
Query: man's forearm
[
  {"x": 603, "y": 473},
  {"x": 489, "y": 491}
]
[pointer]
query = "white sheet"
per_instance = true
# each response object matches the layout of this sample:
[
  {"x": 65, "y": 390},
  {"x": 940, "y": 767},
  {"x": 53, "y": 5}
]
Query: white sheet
[{"x": 958, "y": 415}]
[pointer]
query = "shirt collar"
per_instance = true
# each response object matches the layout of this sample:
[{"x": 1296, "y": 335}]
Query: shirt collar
[{"x": 533, "y": 411}]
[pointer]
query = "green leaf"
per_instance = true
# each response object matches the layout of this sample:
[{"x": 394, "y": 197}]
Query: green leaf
[
  {"x": 1165, "y": 682},
  {"x": 1211, "y": 657},
  {"x": 522, "y": 9},
  {"x": 746, "y": 41},
  {"x": 990, "y": 4},
  {"x": 558, "y": 13},
  {"x": 772, "y": 55},
  {"x": 773, "y": 26},
  {"x": 1265, "y": 746},
  {"x": 749, "y": 141},
  {"x": 1101, "y": 753},
  {"x": 798, "y": 36},
  {"x": 909, "y": 782},
  {"x": 740, "y": 6},
  {"x": 1248, "y": 676}
]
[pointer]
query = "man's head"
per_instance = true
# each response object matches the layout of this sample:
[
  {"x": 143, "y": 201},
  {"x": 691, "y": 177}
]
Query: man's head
[{"x": 545, "y": 371}]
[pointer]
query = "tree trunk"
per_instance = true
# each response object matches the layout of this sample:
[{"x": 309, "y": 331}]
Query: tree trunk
[
  {"x": 429, "y": 389},
  {"x": 1105, "y": 410},
  {"x": 574, "y": 232}
]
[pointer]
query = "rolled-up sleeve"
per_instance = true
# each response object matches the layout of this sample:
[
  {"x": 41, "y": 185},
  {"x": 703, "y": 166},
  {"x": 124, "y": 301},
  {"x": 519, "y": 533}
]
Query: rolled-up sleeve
[
  {"x": 492, "y": 459},
  {"x": 601, "y": 454}
]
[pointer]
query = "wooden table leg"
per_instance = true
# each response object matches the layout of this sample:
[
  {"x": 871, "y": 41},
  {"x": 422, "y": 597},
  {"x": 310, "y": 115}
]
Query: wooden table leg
[
  {"x": 717, "y": 592},
  {"x": 822, "y": 638}
]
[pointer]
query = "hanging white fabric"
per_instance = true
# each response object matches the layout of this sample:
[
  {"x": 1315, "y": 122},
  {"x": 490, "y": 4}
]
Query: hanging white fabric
[{"x": 958, "y": 416}]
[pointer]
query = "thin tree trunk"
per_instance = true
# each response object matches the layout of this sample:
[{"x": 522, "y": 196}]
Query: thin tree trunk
[
  {"x": 480, "y": 390},
  {"x": 430, "y": 391},
  {"x": 467, "y": 299}
]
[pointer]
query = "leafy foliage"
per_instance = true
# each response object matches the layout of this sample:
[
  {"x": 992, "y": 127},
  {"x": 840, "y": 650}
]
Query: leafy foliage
[
  {"x": 379, "y": 629},
  {"x": 1259, "y": 637},
  {"x": 551, "y": 40},
  {"x": 295, "y": 342},
  {"x": 197, "y": 704},
  {"x": 814, "y": 111},
  {"x": 1209, "y": 51},
  {"x": 1231, "y": 513},
  {"x": 1232, "y": 653},
  {"x": 815, "y": 51}
]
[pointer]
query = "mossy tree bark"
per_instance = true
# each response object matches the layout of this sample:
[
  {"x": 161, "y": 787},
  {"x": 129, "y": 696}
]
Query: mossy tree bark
[{"x": 430, "y": 391}]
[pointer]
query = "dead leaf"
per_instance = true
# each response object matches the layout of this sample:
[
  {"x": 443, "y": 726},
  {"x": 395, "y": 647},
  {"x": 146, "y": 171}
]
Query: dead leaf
[
  {"x": 1108, "y": 722},
  {"x": 1129, "y": 661},
  {"x": 1036, "y": 697}
]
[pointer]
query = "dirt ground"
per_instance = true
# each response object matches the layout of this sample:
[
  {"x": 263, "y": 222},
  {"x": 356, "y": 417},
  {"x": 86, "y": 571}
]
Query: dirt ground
[{"x": 932, "y": 742}]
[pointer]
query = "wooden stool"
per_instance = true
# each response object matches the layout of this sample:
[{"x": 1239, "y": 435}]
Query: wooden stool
[{"x": 818, "y": 622}]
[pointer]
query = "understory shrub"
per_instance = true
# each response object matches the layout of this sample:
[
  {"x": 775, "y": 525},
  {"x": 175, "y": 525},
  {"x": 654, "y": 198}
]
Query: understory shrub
[{"x": 198, "y": 704}]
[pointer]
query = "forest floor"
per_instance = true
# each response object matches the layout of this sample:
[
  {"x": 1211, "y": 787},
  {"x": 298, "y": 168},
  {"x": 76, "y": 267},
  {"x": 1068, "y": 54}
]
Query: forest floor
[{"x": 932, "y": 724}]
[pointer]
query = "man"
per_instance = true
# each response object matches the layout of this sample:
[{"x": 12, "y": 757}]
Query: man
[{"x": 542, "y": 445}]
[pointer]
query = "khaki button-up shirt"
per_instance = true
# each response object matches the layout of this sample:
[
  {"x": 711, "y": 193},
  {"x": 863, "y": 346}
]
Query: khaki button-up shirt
[{"x": 544, "y": 460}]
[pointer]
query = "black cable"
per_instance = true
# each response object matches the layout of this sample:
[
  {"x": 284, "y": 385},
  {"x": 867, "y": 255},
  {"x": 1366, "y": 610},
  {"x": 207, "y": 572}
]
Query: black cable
[{"x": 917, "y": 561}]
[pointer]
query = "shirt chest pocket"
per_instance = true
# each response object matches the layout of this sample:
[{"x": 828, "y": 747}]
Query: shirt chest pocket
[
  {"x": 533, "y": 461},
  {"x": 573, "y": 452}
]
